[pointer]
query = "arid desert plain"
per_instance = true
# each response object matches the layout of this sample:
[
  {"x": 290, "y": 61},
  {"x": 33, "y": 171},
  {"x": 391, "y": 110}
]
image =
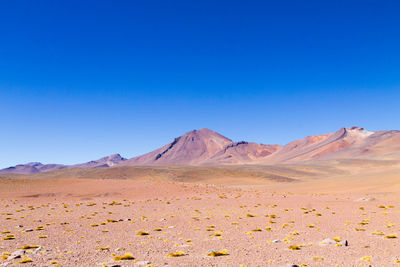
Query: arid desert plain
[
  {"x": 347, "y": 219},
  {"x": 320, "y": 211}
]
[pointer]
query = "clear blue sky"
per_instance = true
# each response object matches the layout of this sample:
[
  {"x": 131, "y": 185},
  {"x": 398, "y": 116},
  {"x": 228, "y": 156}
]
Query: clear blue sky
[{"x": 83, "y": 79}]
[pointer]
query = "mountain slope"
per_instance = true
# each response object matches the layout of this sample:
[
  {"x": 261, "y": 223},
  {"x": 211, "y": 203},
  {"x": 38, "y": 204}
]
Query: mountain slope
[
  {"x": 241, "y": 153},
  {"x": 345, "y": 143},
  {"x": 192, "y": 148},
  {"x": 206, "y": 147},
  {"x": 105, "y": 162}
]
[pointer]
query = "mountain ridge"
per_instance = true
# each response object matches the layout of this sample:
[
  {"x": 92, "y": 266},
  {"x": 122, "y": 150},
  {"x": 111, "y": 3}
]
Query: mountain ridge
[
  {"x": 206, "y": 147},
  {"x": 34, "y": 167}
]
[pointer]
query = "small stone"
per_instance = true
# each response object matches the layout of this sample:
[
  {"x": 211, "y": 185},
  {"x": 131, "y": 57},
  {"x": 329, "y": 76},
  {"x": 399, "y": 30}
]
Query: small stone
[
  {"x": 17, "y": 254},
  {"x": 344, "y": 243},
  {"x": 327, "y": 241},
  {"x": 365, "y": 199},
  {"x": 142, "y": 263},
  {"x": 276, "y": 241},
  {"x": 37, "y": 249},
  {"x": 29, "y": 230}
]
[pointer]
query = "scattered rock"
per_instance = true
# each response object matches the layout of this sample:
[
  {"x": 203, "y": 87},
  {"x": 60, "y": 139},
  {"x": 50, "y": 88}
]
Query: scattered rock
[
  {"x": 327, "y": 241},
  {"x": 37, "y": 250},
  {"x": 276, "y": 241},
  {"x": 365, "y": 199},
  {"x": 142, "y": 263},
  {"x": 344, "y": 243},
  {"x": 17, "y": 254}
]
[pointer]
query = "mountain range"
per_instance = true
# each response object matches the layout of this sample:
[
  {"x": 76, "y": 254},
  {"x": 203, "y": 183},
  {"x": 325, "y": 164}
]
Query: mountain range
[{"x": 206, "y": 147}]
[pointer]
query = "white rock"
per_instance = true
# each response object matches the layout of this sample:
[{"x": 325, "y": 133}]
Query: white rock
[
  {"x": 37, "y": 249},
  {"x": 142, "y": 263},
  {"x": 17, "y": 254},
  {"x": 327, "y": 241},
  {"x": 365, "y": 199}
]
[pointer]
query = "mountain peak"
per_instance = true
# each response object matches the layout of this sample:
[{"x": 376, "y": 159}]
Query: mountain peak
[
  {"x": 191, "y": 148},
  {"x": 204, "y": 132},
  {"x": 358, "y": 131},
  {"x": 115, "y": 157},
  {"x": 356, "y": 128}
]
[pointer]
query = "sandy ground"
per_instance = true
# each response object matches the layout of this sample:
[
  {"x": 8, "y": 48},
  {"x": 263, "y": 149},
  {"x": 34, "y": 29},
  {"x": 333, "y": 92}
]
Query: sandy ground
[{"x": 88, "y": 222}]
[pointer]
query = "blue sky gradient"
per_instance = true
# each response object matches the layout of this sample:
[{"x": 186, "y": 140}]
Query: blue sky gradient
[{"x": 84, "y": 79}]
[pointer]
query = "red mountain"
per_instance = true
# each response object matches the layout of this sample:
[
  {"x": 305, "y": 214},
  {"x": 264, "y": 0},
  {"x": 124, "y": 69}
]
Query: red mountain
[
  {"x": 192, "y": 148},
  {"x": 206, "y": 147}
]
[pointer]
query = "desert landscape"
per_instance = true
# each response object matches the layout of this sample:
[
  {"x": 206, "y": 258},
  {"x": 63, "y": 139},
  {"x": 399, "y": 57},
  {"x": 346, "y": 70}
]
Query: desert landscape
[
  {"x": 199, "y": 133},
  {"x": 204, "y": 200}
]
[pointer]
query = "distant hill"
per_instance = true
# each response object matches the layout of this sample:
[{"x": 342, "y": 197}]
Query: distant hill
[{"x": 35, "y": 167}]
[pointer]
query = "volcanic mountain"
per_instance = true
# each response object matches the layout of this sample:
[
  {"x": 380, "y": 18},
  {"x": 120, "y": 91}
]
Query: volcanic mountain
[
  {"x": 192, "y": 148},
  {"x": 206, "y": 147}
]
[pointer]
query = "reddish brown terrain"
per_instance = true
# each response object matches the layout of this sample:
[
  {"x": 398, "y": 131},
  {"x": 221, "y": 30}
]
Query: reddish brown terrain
[
  {"x": 329, "y": 200},
  {"x": 205, "y": 147},
  {"x": 192, "y": 148}
]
